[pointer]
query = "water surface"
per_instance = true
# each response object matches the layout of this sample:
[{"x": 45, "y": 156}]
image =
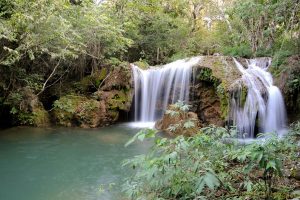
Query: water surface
[{"x": 64, "y": 163}]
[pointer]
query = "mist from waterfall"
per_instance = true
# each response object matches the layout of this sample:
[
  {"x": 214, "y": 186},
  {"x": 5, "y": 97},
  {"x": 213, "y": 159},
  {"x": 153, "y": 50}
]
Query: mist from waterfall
[
  {"x": 263, "y": 106},
  {"x": 157, "y": 87}
]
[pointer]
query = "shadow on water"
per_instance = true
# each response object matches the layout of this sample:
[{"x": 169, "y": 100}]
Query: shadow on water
[{"x": 65, "y": 163}]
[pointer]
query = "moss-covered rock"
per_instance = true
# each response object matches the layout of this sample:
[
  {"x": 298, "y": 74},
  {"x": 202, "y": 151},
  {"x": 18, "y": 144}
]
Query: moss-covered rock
[
  {"x": 91, "y": 83},
  {"x": 142, "y": 64},
  {"x": 27, "y": 109},
  {"x": 97, "y": 99},
  {"x": 119, "y": 78},
  {"x": 116, "y": 99},
  {"x": 73, "y": 110},
  {"x": 214, "y": 77}
]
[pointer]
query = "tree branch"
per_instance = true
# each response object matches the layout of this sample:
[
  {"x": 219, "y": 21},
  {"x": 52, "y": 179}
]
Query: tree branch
[{"x": 50, "y": 76}]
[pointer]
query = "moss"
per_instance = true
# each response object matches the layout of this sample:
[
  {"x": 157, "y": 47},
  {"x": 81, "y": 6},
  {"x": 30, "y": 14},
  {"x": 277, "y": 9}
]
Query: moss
[
  {"x": 102, "y": 74},
  {"x": 142, "y": 64},
  {"x": 83, "y": 85},
  {"x": 76, "y": 110},
  {"x": 119, "y": 100},
  {"x": 205, "y": 74},
  {"x": 114, "y": 115},
  {"x": 90, "y": 83},
  {"x": 224, "y": 100},
  {"x": 41, "y": 117},
  {"x": 243, "y": 97}
]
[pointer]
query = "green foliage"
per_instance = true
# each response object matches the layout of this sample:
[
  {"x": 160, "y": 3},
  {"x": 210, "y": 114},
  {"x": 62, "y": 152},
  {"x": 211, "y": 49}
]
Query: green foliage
[
  {"x": 39, "y": 38},
  {"x": 163, "y": 31},
  {"x": 211, "y": 165},
  {"x": 177, "y": 120},
  {"x": 58, "y": 29},
  {"x": 25, "y": 109},
  {"x": 224, "y": 100},
  {"x": 280, "y": 57},
  {"x": 74, "y": 104},
  {"x": 295, "y": 129},
  {"x": 261, "y": 28},
  {"x": 205, "y": 74},
  {"x": 173, "y": 174},
  {"x": 242, "y": 50}
]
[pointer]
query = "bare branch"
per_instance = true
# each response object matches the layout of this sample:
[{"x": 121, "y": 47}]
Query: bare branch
[{"x": 50, "y": 76}]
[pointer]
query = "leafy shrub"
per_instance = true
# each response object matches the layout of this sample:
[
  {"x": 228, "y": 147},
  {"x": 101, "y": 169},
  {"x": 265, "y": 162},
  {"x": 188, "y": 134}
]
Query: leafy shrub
[
  {"x": 242, "y": 50},
  {"x": 178, "y": 121},
  {"x": 211, "y": 165},
  {"x": 280, "y": 57}
]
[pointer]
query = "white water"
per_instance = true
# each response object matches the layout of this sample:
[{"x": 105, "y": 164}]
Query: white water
[
  {"x": 157, "y": 87},
  {"x": 264, "y": 102}
]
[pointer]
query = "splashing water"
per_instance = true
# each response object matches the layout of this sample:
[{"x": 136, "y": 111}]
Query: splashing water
[
  {"x": 156, "y": 87},
  {"x": 263, "y": 106}
]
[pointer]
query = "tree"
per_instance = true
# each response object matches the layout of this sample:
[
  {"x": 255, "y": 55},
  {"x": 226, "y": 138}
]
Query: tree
[{"x": 51, "y": 33}]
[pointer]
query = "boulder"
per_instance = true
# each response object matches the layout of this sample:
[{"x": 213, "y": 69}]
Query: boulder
[
  {"x": 178, "y": 122},
  {"x": 73, "y": 110}
]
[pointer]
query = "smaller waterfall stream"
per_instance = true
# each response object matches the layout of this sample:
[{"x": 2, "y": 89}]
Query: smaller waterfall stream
[
  {"x": 157, "y": 87},
  {"x": 264, "y": 102}
]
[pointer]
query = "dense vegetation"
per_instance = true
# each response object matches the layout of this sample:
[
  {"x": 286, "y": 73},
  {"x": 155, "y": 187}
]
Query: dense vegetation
[
  {"x": 213, "y": 165},
  {"x": 47, "y": 42}
]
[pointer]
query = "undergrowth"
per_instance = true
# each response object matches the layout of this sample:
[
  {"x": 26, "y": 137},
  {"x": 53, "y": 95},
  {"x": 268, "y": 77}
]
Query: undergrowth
[{"x": 213, "y": 165}]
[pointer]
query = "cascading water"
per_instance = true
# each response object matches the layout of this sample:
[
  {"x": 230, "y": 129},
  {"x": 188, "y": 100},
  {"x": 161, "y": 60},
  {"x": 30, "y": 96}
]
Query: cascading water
[
  {"x": 263, "y": 104},
  {"x": 157, "y": 87}
]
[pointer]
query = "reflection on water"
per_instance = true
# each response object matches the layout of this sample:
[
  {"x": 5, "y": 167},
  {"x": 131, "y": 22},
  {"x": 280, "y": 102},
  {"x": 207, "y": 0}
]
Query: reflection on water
[{"x": 64, "y": 163}]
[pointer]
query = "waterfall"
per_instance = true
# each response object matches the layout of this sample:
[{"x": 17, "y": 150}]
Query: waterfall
[
  {"x": 263, "y": 104},
  {"x": 157, "y": 87}
]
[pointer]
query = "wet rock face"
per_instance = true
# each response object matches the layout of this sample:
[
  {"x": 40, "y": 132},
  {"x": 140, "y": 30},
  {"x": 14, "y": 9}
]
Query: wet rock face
[
  {"x": 211, "y": 90},
  {"x": 289, "y": 83},
  {"x": 208, "y": 106}
]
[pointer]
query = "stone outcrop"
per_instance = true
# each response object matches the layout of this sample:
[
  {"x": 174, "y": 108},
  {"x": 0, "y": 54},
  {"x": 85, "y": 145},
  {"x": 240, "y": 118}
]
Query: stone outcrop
[
  {"x": 28, "y": 109},
  {"x": 210, "y": 93},
  {"x": 72, "y": 110},
  {"x": 288, "y": 80},
  {"x": 102, "y": 107}
]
